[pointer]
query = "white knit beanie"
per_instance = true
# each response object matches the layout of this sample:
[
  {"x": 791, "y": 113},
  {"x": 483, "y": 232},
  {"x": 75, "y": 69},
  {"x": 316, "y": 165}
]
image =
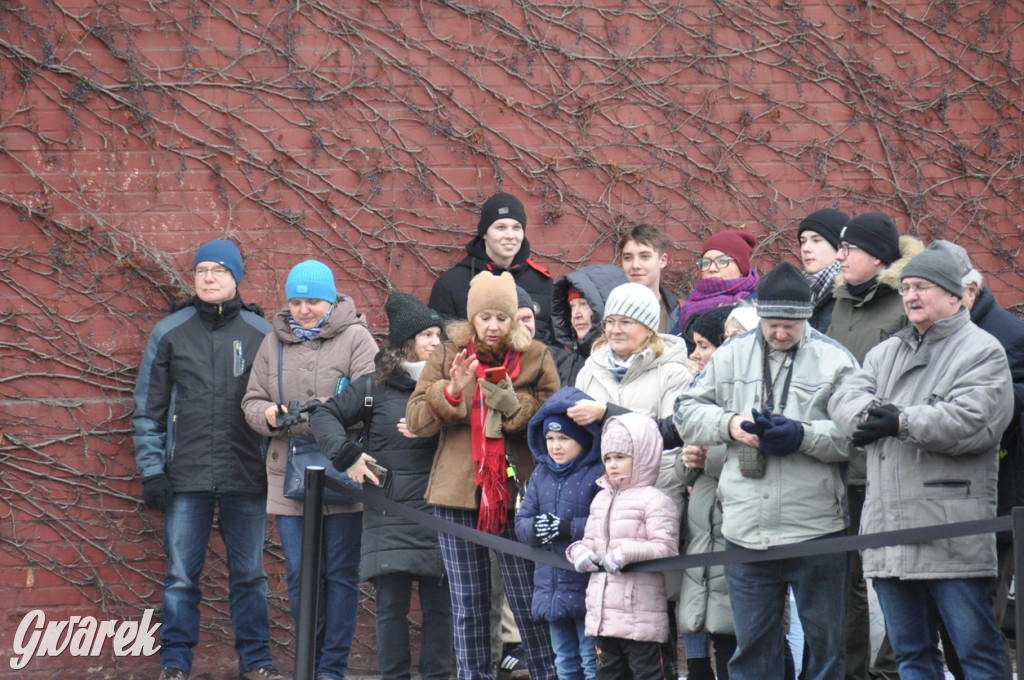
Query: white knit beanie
[{"x": 635, "y": 301}]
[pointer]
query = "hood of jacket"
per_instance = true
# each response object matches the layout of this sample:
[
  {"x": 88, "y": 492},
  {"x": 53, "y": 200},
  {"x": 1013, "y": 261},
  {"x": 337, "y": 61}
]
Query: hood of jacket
[
  {"x": 890, "y": 276},
  {"x": 647, "y": 449},
  {"x": 343, "y": 316},
  {"x": 557, "y": 403},
  {"x": 594, "y": 282}
]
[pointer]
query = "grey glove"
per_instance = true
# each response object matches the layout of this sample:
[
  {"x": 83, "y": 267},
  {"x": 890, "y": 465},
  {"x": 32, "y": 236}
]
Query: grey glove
[{"x": 501, "y": 397}]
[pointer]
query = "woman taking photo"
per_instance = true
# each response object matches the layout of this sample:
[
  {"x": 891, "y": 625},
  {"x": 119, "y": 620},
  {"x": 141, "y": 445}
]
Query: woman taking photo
[
  {"x": 478, "y": 391},
  {"x": 395, "y": 551},
  {"x": 319, "y": 342}
]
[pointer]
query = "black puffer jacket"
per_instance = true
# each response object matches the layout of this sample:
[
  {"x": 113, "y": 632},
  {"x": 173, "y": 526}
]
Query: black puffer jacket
[
  {"x": 448, "y": 296},
  {"x": 389, "y": 544},
  {"x": 188, "y": 417},
  {"x": 1009, "y": 331},
  {"x": 594, "y": 282}
]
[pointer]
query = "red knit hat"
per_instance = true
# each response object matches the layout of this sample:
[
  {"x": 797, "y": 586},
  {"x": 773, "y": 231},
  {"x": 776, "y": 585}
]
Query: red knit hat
[
  {"x": 735, "y": 243},
  {"x": 574, "y": 293}
]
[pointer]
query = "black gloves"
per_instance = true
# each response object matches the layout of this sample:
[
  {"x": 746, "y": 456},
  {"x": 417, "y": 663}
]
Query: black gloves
[
  {"x": 549, "y": 528},
  {"x": 157, "y": 492},
  {"x": 777, "y": 435},
  {"x": 880, "y": 421}
]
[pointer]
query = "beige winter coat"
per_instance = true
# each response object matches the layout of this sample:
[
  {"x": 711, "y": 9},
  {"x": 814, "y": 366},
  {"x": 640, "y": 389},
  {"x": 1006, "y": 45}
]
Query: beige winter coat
[{"x": 311, "y": 370}]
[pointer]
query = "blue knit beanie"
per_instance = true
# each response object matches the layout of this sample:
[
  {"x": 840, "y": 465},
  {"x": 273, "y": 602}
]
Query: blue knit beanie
[
  {"x": 311, "y": 280},
  {"x": 567, "y": 426},
  {"x": 223, "y": 253}
]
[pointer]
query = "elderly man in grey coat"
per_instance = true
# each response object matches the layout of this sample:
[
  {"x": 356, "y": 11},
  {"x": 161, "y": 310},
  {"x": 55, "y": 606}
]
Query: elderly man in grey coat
[
  {"x": 782, "y": 479},
  {"x": 930, "y": 406}
]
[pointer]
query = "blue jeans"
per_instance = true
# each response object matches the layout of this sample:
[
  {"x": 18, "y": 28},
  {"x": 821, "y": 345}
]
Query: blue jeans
[
  {"x": 394, "y": 593},
  {"x": 338, "y": 600},
  {"x": 912, "y": 610},
  {"x": 758, "y": 592},
  {"x": 242, "y": 522},
  {"x": 575, "y": 657}
]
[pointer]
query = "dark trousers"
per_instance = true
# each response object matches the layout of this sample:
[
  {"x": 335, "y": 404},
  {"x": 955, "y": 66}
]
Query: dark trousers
[
  {"x": 619, "y": 659},
  {"x": 393, "y": 595}
]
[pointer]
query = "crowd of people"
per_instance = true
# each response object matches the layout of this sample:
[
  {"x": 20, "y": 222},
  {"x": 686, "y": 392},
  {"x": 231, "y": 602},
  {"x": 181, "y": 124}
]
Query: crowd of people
[{"x": 603, "y": 418}]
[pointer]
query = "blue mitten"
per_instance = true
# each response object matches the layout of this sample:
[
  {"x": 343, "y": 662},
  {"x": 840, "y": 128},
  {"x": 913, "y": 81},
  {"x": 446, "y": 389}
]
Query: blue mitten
[
  {"x": 760, "y": 424},
  {"x": 782, "y": 437}
]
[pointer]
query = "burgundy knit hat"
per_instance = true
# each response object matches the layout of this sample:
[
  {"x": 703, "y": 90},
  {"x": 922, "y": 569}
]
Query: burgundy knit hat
[{"x": 735, "y": 243}]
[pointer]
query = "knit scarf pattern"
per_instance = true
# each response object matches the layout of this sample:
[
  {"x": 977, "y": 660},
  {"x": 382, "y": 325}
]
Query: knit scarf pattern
[
  {"x": 307, "y": 334},
  {"x": 822, "y": 283},
  {"x": 711, "y": 293},
  {"x": 489, "y": 458}
]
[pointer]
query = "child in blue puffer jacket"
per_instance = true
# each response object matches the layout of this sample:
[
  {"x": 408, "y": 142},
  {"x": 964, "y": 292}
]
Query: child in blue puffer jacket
[{"x": 553, "y": 514}]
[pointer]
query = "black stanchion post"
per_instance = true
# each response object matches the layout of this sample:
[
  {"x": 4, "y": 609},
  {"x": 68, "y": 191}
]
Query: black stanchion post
[
  {"x": 309, "y": 574},
  {"x": 1018, "y": 579}
]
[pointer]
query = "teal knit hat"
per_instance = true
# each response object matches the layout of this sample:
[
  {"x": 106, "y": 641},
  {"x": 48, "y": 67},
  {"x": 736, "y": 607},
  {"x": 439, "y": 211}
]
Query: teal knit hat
[{"x": 312, "y": 280}]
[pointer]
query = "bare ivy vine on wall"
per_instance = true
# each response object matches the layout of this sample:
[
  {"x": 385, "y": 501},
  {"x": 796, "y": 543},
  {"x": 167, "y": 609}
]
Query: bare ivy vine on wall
[{"x": 368, "y": 132}]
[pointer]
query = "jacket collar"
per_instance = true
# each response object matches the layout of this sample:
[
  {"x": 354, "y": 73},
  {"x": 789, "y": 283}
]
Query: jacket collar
[{"x": 939, "y": 331}]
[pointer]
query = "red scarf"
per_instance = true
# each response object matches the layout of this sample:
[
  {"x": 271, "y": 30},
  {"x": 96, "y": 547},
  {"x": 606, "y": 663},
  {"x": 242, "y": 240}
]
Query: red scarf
[{"x": 489, "y": 458}]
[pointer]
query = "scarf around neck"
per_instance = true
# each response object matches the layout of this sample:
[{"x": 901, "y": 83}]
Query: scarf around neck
[
  {"x": 711, "y": 293},
  {"x": 490, "y": 460},
  {"x": 823, "y": 282},
  {"x": 307, "y": 334}
]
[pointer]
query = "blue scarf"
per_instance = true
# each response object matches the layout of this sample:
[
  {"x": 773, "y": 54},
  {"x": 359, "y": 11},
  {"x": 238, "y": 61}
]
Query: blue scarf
[{"x": 307, "y": 334}]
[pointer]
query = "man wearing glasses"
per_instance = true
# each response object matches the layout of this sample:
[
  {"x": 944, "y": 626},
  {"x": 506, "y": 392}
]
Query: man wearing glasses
[
  {"x": 929, "y": 407},
  {"x": 868, "y": 309},
  {"x": 199, "y": 459}
]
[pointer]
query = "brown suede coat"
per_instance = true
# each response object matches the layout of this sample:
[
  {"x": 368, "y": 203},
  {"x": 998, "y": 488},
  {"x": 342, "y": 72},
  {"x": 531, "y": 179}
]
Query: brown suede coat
[{"x": 452, "y": 481}]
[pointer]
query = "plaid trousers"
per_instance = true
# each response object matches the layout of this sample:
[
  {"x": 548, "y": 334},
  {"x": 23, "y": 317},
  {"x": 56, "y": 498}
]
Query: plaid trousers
[{"x": 469, "y": 575}]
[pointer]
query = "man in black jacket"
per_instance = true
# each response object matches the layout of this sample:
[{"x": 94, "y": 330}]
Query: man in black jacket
[
  {"x": 196, "y": 453},
  {"x": 500, "y": 245}
]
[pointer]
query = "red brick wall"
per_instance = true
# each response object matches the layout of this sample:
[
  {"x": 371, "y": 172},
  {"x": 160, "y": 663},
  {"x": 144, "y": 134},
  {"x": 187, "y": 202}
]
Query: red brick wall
[{"x": 366, "y": 134}]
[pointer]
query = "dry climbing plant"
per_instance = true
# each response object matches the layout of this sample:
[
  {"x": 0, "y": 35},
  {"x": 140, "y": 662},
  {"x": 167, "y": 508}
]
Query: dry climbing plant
[{"x": 366, "y": 133}]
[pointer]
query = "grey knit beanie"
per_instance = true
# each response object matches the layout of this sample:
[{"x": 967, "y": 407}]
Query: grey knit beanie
[{"x": 939, "y": 265}]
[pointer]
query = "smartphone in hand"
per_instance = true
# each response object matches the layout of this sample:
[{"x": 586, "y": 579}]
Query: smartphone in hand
[{"x": 494, "y": 375}]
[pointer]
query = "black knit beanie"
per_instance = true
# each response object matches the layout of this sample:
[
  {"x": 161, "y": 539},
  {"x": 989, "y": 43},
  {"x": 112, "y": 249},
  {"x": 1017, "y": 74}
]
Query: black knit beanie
[
  {"x": 875, "y": 233},
  {"x": 827, "y": 223},
  {"x": 499, "y": 207},
  {"x": 407, "y": 316},
  {"x": 711, "y": 324}
]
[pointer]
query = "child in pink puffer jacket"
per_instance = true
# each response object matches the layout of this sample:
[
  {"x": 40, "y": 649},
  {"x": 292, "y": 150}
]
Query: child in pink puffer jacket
[{"x": 630, "y": 521}]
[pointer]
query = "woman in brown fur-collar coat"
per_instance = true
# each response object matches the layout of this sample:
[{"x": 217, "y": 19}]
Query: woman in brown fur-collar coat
[{"x": 478, "y": 391}]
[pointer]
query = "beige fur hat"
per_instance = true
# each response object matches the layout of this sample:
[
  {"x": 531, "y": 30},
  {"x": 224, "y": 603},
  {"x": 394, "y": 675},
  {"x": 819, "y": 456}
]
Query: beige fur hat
[{"x": 487, "y": 291}]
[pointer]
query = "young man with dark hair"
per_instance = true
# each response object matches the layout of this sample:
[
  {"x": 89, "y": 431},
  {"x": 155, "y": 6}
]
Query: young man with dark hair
[{"x": 643, "y": 255}]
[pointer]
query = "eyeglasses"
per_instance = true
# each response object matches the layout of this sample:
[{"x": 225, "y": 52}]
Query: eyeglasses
[
  {"x": 218, "y": 272},
  {"x": 624, "y": 323},
  {"x": 919, "y": 288},
  {"x": 846, "y": 248},
  {"x": 720, "y": 262}
]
